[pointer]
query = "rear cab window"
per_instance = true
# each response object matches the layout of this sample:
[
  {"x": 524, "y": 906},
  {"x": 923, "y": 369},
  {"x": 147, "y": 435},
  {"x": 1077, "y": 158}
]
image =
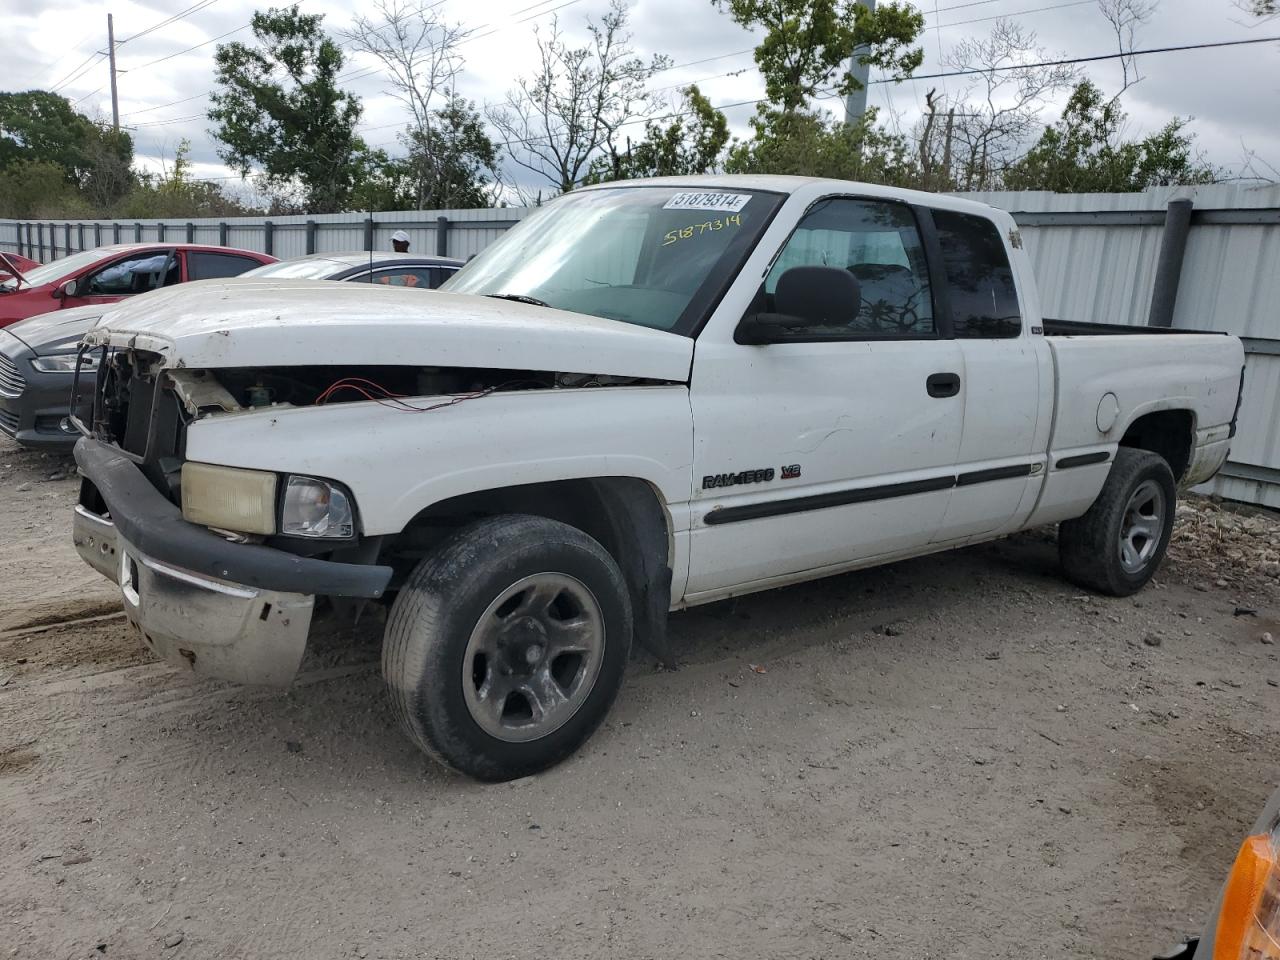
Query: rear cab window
[{"x": 984, "y": 299}]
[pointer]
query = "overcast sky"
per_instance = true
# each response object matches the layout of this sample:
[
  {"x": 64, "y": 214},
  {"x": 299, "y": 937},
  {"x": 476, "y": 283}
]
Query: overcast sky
[{"x": 1233, "y": 94}]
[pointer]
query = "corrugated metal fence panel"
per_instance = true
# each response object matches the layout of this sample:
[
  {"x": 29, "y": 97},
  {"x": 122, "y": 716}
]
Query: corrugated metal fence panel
[
  {"x": 1231, "y": 280},
  {"x": 468, "y": 232},
  {"x": 1257, "y": 441}
]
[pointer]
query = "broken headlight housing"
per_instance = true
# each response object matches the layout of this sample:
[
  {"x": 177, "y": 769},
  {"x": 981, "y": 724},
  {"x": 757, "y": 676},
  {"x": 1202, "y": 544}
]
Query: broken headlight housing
[{"x": 316, "y": 508}]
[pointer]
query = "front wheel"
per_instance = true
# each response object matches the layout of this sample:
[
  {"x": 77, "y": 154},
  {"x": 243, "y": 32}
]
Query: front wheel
[
  {"x": 1117, "y": 546},
  {"x": 506, "y": 647}
]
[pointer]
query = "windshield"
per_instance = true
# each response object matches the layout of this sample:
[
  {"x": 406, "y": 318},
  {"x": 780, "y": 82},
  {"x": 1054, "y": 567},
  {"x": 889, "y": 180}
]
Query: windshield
[
  {"x": 320, "y": 269},
  {"x": 654, "y": 256},
  {"x": 51, "y": 272}
]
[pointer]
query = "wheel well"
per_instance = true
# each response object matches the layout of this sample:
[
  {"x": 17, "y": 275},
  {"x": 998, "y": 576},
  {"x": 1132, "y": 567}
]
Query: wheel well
[
  {"x": 1170, "y": 433},
  {"x": 623, "y": 514}
]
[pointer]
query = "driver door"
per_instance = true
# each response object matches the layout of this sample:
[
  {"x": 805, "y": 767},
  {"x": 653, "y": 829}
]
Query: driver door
[{"x": 838, "y": 444}]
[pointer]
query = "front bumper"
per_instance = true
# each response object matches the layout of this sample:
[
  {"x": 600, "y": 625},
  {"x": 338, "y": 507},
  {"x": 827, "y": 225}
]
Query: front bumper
[
  {"x": 33, "y": 404},
  {"x": 225, "y": 610}
]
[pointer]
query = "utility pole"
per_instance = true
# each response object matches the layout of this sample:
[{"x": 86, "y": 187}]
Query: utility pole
[
  {"x": 111, "y": 54},
  {"x": 855, "y": 103}
]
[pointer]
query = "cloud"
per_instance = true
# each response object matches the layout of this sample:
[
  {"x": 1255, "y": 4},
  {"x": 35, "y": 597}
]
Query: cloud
[{"x": 1230, "y": 93}]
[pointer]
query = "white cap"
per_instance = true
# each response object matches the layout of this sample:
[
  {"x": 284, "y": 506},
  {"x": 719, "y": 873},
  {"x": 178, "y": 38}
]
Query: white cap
[{"x": 399, "y": 237}]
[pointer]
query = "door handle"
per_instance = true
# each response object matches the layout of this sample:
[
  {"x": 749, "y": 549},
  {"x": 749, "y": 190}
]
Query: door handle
[{"x": 942, "y": 385}]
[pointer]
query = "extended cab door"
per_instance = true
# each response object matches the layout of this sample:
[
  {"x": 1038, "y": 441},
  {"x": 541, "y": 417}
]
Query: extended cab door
[
  {"x": 1008, "y": 375},
  {"x": 839, "y": 443}
]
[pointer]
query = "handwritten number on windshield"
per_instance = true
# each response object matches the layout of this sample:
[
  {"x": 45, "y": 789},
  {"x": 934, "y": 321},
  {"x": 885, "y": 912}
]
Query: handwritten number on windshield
[{"x": 697, "y": 229}]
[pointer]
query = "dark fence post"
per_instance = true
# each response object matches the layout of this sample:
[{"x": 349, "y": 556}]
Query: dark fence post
[
  {"x": 24, "y": 251},
  {"x": 40, "y": 238},
  {"x": 97, "y": 234},
  {"x": 191, "y": 232},
  {"x": 80, "y": 235},
  {"x": 66, "y": 238},
  {"x": 222, "y": 234},
  {"x": 311, "y": 236},
  {"x": 137, "y": 233},
  {"x": 115, "y": 233},
  {"x": 268, "y": 238},
  {"x": 368, "y": 233},
  {"x": 442, "y": 236},
  {"x": 160, "y": 231},
  {"x": 1173, "y": 247}
]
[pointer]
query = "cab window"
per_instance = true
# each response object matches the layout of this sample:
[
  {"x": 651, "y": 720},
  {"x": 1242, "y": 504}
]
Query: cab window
[
  {"x": 984, "y": 300},
  {"x": 136, "y": 274},
  {"x": 879, "y": 244}
]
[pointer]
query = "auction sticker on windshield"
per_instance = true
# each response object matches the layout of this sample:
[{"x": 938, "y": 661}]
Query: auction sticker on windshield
[{"x": 728, "y": 202}]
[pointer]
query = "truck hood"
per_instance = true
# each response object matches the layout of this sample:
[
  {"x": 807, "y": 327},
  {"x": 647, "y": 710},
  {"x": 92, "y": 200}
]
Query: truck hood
[
  {"x": 59, "y": 329},
  {"x": 254, "y": 323}
]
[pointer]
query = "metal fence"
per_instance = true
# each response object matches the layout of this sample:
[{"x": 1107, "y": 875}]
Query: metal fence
[
  {"x": 1215, "y": 265},
  {"x": 449, "y": 233}
]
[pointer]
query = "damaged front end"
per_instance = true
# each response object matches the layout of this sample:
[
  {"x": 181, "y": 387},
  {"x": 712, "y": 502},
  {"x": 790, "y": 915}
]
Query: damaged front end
[{"x": 223, "y": 569}]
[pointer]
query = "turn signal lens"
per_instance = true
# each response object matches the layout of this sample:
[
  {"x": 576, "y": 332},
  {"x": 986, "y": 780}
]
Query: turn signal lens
[
  {"x": 316, "y": 508},
  {"x": 1249, "y": 923}
]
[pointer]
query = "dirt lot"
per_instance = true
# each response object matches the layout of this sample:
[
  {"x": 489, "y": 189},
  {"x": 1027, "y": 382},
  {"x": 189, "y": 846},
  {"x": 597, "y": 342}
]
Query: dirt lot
[{"x": 956, "y": 757}]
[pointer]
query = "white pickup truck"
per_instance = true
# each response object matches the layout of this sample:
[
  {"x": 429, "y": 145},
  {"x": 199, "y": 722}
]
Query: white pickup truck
[{"x": 646, "y": 396}]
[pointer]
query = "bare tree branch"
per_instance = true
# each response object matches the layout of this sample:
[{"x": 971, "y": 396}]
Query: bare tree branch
[{"x": 555, "y": 123}]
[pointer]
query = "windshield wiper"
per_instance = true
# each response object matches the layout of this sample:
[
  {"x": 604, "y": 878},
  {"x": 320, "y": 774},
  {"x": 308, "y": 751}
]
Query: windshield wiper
[{"x": 519, "y": 298}]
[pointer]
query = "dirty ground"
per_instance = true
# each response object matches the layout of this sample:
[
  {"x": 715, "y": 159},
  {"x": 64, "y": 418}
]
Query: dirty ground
[{"x": 955, "y": 757}]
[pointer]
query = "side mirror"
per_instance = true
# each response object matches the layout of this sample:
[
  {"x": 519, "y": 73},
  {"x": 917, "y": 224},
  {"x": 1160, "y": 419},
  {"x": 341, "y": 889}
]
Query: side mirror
[
  {"x": 69, "y": 289},
  {"x": 804, "y": 297}
]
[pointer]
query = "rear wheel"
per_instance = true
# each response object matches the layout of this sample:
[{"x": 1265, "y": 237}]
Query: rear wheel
[
  {"x": 506, "y": 647},
  {"x": 1117, "y": 546}
]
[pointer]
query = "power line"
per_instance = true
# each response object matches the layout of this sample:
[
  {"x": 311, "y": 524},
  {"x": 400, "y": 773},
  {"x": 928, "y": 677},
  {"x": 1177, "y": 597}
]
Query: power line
[
  {"x": 194, "y": 8},
  {"x": 1093, "y": 59},
  {"x": 78, "y": 72},
  {"x": 1018, "y": 13}
]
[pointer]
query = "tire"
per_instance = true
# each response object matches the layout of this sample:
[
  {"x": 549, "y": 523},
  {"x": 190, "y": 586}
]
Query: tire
[
  {"x": 507, "y": 646},
  {"x": 1118, "y": 545}
]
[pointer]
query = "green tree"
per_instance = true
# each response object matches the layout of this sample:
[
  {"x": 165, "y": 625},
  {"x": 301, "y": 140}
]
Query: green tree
[
  {"x": 175, "y": 193},
  {"x": 37, "y": 188},
  {"x": 38, "y": 127},
  {"x": 812, "y": 145},
  {"x": 451, "y": 163},
  {"x": 691, "y": 143},
  {"x": 1085, "y": 152},
  {"x": 808, "y": 43},
  {"x": 299, "y": 129}
]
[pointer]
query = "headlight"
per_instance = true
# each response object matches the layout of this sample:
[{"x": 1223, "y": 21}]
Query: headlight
[
  {"x": 316, "y": 508},
  {"x": 1249, "y": 922},
  {"x": 64, "y": 363},
  {"x": 239, "y": 500}
]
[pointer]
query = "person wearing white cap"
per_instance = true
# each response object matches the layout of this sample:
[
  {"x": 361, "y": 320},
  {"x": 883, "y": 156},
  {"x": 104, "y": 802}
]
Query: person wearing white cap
[{"x": 400, "y": 242}]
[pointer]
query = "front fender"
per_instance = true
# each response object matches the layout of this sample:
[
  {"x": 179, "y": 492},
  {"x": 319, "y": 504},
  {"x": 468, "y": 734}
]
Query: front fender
[{"x": 397, "y": 464}]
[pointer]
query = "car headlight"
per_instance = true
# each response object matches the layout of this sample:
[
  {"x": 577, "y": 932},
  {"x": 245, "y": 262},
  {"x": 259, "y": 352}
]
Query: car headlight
[
  {"x": 228, "y": 498},
  {"x": 1249, "y": 921},
  {"x": 316, "y": 508},
  {"x": 64, "y": 363}
]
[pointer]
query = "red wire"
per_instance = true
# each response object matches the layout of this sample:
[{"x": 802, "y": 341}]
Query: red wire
[{"x": 394, "y": 401}]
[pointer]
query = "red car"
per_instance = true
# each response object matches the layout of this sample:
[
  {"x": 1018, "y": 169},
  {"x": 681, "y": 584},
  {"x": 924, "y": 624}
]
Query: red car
[
  {"x": 11, "y": 261},
  {"x": 112, "y": 273}
]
